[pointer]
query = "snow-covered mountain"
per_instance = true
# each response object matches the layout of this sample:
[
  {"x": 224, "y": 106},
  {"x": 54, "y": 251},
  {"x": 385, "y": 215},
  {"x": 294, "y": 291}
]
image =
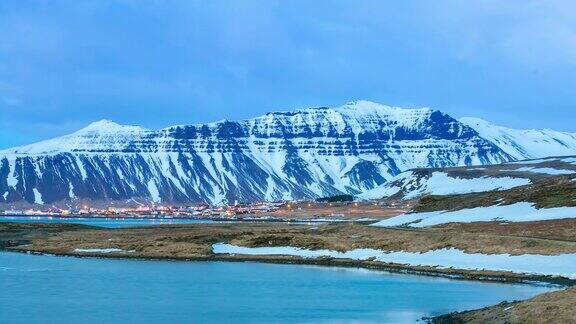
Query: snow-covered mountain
[
  {"x": 304, "y": 153},
  {"x": 525, "y": 144}
]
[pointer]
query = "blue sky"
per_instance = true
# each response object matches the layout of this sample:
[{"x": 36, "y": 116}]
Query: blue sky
[{"x": 157, "y": 63}]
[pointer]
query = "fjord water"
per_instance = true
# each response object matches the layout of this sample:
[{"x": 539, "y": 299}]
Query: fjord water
[
  {"x": 103, "y": 221},
  {"x": 52, "y": 289}
]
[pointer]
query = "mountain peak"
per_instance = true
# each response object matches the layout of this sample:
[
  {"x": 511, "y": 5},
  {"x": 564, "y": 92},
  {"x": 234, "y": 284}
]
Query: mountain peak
[
  {"x": 370, "y": 107},
  {"x": 364, "y": 105},
  {"x": 109, "y": 126},
  {"x": 474, "y": 121}
]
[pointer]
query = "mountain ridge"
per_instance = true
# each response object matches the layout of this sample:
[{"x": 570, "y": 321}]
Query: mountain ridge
[
  {"x": 299, "y": 154},
  {"x": 525, "y": 143}
]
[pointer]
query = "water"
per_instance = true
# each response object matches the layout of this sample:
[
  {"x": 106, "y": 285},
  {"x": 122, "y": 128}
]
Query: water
[
  {"x": 103, "y": 222},
  {"x": 52, "y": 289},
  {"x": 119, "y": 222}
]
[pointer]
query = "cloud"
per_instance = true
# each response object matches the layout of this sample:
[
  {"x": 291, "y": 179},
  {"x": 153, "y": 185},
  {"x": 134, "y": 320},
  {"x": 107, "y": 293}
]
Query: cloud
[
  {"x": 530, "y": 33},
  {"x": 156, "y": 63}
]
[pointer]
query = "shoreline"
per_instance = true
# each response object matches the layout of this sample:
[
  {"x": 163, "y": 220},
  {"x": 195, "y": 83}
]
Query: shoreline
[
  {"x": 451, "y": 317},
  {"x": 264, "y": 219},
  {"x": 194, "y": 243},
  {"x": 448, "y": 273}
]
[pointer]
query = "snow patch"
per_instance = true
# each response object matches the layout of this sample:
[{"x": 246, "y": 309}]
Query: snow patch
[
  {"x": 37, "y": 197},
  {"x": 440, "y": 183},
  {"x": 385, "y": 190},
  {"x": 518, "y": 212},
  {"x": 153, "y": 189},
  {"x": 269, "y": 196},
  {"x": 71, "y": 191},
  {"x": 550, "y": 265},
  {"x": 11, "y": 179},
  {"x": 570, "y": 160},
  {"x": 107, "y": 250}
]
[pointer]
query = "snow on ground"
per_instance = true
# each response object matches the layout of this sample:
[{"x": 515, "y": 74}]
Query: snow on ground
[
  {"x": 440, "y": 183},
  {"x": 550, "y": 171},
  {"x": 385, "y": 190},
  {"x": 108, "y": 250},
  {"x": 554, "y": 265},
  {"x": 518, "y": 212},
  {"x": 571, "y": 160}
]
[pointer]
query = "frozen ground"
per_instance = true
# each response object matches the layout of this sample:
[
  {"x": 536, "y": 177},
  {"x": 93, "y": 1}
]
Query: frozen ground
[
  {"x": 518, "y": 212},
  {"x": 553, "y": 265},
  {"x": 440, "y": 183}
]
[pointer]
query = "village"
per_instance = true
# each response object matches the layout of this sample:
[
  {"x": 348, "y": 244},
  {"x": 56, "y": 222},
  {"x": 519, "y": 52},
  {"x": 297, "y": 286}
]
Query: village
[
  {"x": 152, "y": 210},
  {"x": 282, "y": 209}
]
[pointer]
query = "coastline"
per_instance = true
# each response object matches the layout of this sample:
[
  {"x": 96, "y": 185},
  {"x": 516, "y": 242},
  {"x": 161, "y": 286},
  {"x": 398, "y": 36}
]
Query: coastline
[
  {"x": 194, "y": 243},
  {"x": 562, "y": 285},
  {"x": 458, "y": 274},
  {"x": 247, "y": 219}
]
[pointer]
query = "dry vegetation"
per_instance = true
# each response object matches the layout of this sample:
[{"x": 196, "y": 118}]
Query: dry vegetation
[
  {"x": 348, "y": 210},
  {"x": 195, "y": 240},
  {"x": 560, "y": 229},
  {"x": 548, "y": 193},
  {"x": 554, "y": 307}
]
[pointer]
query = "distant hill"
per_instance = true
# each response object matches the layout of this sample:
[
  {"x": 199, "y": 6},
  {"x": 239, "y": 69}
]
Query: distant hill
[{"x": 524, "y": 191}]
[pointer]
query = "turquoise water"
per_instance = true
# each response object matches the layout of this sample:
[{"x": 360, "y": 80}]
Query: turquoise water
[
  {"x": 102, "y": 222},
  {"x": 50, "y": 289}
]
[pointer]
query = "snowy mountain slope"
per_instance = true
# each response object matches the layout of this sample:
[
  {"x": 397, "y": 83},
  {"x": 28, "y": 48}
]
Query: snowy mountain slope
[
  {"x": 413, "y": 184},
  {"x": 518, "y": 212},
  {"x": 460, "y": 180},
  {"x": 550, "y": 194},
  {"x": 101, "y": 136},
  {"x": 305, "y": 153},
  {"x": 525, "y": 144}
]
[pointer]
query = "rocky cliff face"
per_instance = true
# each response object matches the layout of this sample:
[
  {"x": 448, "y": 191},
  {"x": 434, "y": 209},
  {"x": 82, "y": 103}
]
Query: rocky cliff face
[{"x": 305, "y": 153}]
